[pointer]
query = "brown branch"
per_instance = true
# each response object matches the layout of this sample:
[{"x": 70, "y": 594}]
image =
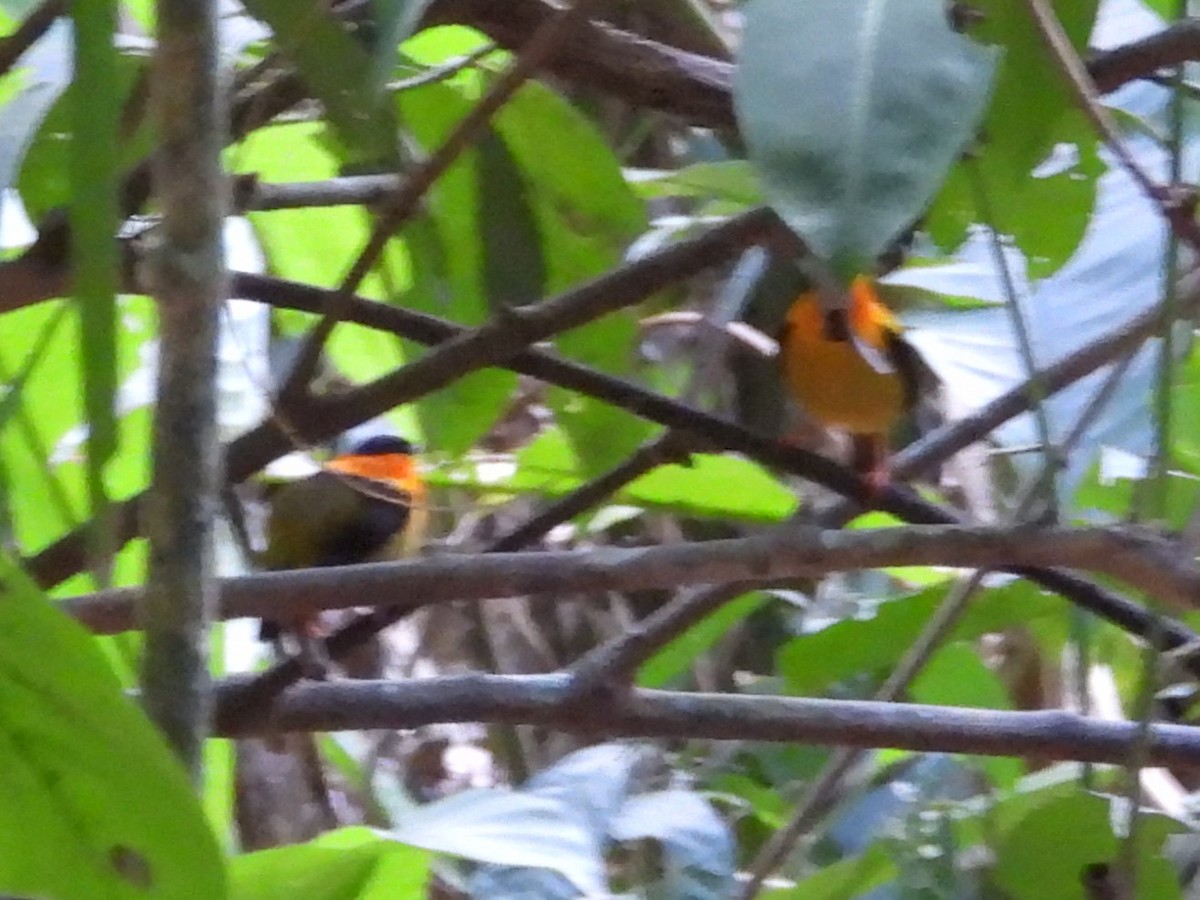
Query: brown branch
[
  {"x": 1140, "y": 558},
  {"x": 492, "y": 344},
  {"x": 696, "y": 88},
  {"x": 1177, "y": 44},
  {"x": 546, "y": 700},
  {"x": 189, "y": 285}
]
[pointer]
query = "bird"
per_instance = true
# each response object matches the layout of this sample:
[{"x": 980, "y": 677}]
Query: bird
[
  {"x": 852, "y": 371},
  {"x": 366, "y": 505}
]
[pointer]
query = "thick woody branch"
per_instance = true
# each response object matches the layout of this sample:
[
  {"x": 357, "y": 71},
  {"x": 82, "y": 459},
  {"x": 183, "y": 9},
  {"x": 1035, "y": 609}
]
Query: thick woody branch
[
  {"x": 1150, "y": 563},
  {"x": 547, "y": 700}
]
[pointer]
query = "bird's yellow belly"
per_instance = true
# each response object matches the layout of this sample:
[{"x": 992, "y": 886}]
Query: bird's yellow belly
[{"x": 839, "y": 388}]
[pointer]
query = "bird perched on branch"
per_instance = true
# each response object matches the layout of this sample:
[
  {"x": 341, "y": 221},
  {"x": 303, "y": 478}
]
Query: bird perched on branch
[
  {"x": 366, "y": 505},
  {"x": 852, "y": 371}
]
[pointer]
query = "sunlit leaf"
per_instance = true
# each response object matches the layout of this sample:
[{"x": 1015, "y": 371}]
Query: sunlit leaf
[
  {"x": 79, "y": 821},
  {"x": 507, "y": 828},
  {"x": 348, "y": 864},
  {"x": 812, "y": 662}
]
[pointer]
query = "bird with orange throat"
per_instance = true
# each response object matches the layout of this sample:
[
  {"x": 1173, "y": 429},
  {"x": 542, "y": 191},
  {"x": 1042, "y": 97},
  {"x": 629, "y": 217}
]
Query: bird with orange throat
[
  {"x": 366, "y": 505},
  {"x": 852, "y": 371}
]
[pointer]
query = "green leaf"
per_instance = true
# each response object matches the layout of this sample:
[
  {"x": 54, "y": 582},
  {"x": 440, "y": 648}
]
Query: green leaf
[
  {"x": 347, "y": 864},
  {"x": 1048, "y": 850},
  {"x": 1031, "y": 114},
  {"x": 393, "y": 20},
  {"x": 1046, "y": 214},
  {"x": 448, "y": 271},
  {"x": 1031, "y": 94},
  {"x": 95, "y": 803},
  {"x": 853, "y": 111},
  {"x": 956, "y": 676},
  {"x": 677, "y": 658},
  {"x": 719, "y": 486},
  {"x": 514, "y": 269},
  {"x": 726, "y": 487},
  {"x": 587, "y": 216},
  {"x": 315, "y": 247},
  {"x": 733, "y": 180},
  {"x": 812, "y": 662},
  {"x": 855, "y": 876},
  {"x": 94, "y": 220},
  {"x": 339, "y": 71}
]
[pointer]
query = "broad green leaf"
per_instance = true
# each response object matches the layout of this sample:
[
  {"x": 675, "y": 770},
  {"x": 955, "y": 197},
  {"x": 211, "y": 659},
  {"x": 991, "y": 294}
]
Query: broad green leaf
[
  {"x": 715, "y": 485},
  {"x": 677, "y": 658},
  {"x": 956, "y": 676},
  {"x": 1046, "y": 854},
  {"x": 712, "y": 486},
  {"x": 855, "y": 876},
  {"x": 448, "y": 270},
  {"x": 587, "y": 216},
  {"x": 853, "y": 112},
  {"x": 1046, "y": 212},
  {"x": 812, "y": 662},
  {"x": 1031, "y": 94},
  {"x": 312, "y": 246},
  {"x": 40, "y": 434},
  {"x": 339, "y": 71},
  {"x": 514, "y": 269},
  {"x": 347, "y": 864},
  {"x": 94, "y": 803},
  {"x": 732, "y": 180}
]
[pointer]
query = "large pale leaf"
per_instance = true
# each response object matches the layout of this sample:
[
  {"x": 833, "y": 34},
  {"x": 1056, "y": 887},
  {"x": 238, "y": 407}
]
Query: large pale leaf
[
  {"x": 47, "y": 72},
  {"x": 853, "y": 111},
  {"x": 92, "y": 803},
  {"x": 508, "y": 828},
  {"x": 698, "y": 848}
]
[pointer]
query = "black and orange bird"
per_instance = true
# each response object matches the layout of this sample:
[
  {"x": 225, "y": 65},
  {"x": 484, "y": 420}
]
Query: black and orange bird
[
  {"x": 366, "y": 505},
  {"x": 852, "y": 371}
]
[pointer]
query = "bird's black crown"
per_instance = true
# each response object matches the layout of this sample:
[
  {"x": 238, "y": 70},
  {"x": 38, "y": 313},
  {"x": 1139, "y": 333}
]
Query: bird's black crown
[{"x": 382, "y": 445}]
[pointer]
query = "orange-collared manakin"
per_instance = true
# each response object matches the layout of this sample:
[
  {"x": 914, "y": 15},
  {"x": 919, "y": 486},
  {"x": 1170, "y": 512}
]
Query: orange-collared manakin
[
  {"x": 363, "y": 506},
  {"x": 852, "y": 371}
]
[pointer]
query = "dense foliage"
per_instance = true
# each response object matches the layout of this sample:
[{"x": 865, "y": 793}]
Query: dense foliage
[{"x": 570, "y": 305}]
